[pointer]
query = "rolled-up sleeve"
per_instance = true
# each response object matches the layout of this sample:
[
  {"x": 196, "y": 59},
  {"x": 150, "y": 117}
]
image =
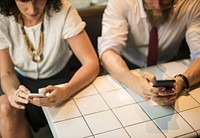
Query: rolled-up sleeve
[
  {"x": 193, "y": 30},
  {"x": 114, "y": 27},
  {"x": 73, "y": 23},
  {"x": 4, "y": 38}
]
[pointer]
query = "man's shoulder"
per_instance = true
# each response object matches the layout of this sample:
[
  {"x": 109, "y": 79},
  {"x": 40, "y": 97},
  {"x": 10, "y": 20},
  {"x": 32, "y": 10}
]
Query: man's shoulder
[
  {"x": 187, "y": 3},
  {"x": 186, "y": 7}
]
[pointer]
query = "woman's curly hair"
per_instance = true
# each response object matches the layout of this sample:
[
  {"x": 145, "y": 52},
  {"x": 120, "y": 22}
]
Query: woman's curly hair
[{"x": 9, "y": 7}]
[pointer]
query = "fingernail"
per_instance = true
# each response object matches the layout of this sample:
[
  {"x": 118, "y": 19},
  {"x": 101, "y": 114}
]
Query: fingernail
[{"x": 22, "y": 107}]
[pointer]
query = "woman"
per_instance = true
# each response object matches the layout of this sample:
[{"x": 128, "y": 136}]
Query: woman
[{"x": 34, "y": 54}]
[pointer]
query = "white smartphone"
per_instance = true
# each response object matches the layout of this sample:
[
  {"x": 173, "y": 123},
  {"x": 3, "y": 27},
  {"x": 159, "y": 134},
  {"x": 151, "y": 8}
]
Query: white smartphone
[{"x": 38, "y": 95}]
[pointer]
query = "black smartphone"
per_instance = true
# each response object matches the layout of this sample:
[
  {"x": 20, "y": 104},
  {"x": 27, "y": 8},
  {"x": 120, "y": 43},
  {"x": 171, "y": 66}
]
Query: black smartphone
[{"x": 164, "y": 83}]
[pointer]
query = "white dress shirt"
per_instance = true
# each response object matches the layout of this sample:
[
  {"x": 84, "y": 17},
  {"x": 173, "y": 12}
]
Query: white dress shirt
[
  {"x": 59, "y": 27},
  {"x": 125, "y": 29}
]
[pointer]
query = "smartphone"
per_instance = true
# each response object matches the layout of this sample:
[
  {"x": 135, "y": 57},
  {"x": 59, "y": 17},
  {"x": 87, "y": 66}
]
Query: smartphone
[
  {"x": 38, "y": 95},
  {"x": 164, "y": 83}
]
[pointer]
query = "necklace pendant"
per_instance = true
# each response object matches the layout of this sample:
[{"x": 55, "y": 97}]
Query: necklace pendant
[{"x": 37, "y": 58}]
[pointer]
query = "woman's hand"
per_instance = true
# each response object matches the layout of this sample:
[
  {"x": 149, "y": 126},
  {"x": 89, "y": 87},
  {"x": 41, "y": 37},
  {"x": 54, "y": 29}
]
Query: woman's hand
[
  {"x": 55, "y": 96},
  {"x": 19, "y": 98}
]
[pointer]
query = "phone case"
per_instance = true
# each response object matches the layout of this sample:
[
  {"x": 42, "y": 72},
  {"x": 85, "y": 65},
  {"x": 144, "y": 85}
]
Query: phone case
[{"x": 164, "y": 83}]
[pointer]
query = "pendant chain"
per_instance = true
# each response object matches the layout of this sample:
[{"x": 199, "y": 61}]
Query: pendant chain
[{"x": 35, "y": 54}]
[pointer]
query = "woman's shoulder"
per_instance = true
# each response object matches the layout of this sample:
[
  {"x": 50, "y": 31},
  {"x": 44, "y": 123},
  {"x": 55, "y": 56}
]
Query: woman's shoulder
[
  {"x": 65, "y": 8},
  {"x": 6, "y": 21},
  {"x": 3, "y": 19},
  {"x": 66, "y": 5}
]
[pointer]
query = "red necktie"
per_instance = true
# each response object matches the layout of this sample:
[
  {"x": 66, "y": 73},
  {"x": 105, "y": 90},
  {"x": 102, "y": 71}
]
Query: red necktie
[{"x": 153, "y": 47}]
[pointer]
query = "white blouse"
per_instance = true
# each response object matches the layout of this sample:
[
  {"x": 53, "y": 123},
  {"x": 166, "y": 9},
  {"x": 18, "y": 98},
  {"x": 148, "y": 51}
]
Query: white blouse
[
  {"x": 59, "y": 27},
  {"x": 126, "y": 30}
]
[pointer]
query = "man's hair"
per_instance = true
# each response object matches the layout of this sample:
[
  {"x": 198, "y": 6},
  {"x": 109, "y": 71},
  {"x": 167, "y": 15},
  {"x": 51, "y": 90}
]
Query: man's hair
[{"x": 9, "y": 7}]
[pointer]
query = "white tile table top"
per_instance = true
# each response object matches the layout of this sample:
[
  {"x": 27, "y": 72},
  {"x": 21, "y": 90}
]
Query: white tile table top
[
  {"x": 172, "y": 68},
  {"x": 106, "y": 108},
  {"x": 195, "y": 94},
  {"x": 118, "y": 98},
  {"x": 89, "y": 90},
  {"x": 91, "y": 104},
  {"x": 156, "y": 71},
  {"x": 106, "y": 83},
  {"x": 155, "y": 111},
  {"x": 135, "y": 96},
  {"x": 145, "y": 130},
  {"x": 102, "y": 122},
  {"x": 64, "y": 111},
  {"x": 191, "y": 117},
  {"x": 119, "y": 133},
  {"x": 130, "y": 114},
  {"x": 72, "y": 128},
  {"x": 185, "y": 103},
  {"x": 173, "y": 125}
]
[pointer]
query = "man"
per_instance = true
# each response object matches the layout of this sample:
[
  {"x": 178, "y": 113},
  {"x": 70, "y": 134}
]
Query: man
[{"x": 125, "y": 39}]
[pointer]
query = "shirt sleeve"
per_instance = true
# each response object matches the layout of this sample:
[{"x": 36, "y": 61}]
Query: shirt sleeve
[
  {"x": 193, "y": 29},
  {"x": 3, "y": 33},
  {"x": 73, "y": 22},
  {"x": 114, "y": 27}
]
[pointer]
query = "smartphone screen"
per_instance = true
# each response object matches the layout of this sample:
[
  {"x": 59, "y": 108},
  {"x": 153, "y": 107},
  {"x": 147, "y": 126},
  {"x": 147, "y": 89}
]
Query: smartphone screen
[
  {"x": 32, "y": 95},
  {"x": 164, "y": 83}
]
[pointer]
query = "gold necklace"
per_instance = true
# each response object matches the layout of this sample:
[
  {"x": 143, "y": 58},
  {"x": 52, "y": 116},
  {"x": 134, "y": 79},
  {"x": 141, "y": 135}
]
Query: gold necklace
[{"x": 35, "y": 54}]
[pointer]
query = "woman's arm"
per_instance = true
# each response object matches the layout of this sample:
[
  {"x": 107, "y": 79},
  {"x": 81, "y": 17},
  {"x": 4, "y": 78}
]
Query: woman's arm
[
  {"x": 9, "y": 81},
  {"x": 84, "y": 51}
]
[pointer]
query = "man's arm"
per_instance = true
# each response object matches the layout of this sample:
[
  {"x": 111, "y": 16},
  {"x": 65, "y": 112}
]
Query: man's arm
[{"x": 116, "y": 66}]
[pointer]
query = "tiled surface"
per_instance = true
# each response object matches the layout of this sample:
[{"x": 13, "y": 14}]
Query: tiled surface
[
  {"x": 102, "y": 122},
  {"x": 119, "y": 133},
  {"x": 91, "y": 104},
  {"x": 173, "y": 125},
  {"x": 145, "y": 130},
  {"x": 107, "y": 109}
]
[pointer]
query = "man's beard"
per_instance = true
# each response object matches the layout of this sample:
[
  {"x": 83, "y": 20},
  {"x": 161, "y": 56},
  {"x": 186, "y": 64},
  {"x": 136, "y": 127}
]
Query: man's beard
[{"x": 159, "y": 17}]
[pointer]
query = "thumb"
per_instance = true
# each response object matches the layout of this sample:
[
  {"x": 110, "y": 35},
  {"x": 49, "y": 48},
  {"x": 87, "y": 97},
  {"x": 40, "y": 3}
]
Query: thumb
[
  {"x": 46, "y": 90},
  {"x": 150, "y": 77}
]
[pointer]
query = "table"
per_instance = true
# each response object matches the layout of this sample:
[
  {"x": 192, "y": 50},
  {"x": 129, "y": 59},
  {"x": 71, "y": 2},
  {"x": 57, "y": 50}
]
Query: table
[{"x": 108, "y": 109}]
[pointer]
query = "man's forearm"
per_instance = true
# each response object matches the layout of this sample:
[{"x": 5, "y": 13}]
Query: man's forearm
[{"x": 115, "y": 65}]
